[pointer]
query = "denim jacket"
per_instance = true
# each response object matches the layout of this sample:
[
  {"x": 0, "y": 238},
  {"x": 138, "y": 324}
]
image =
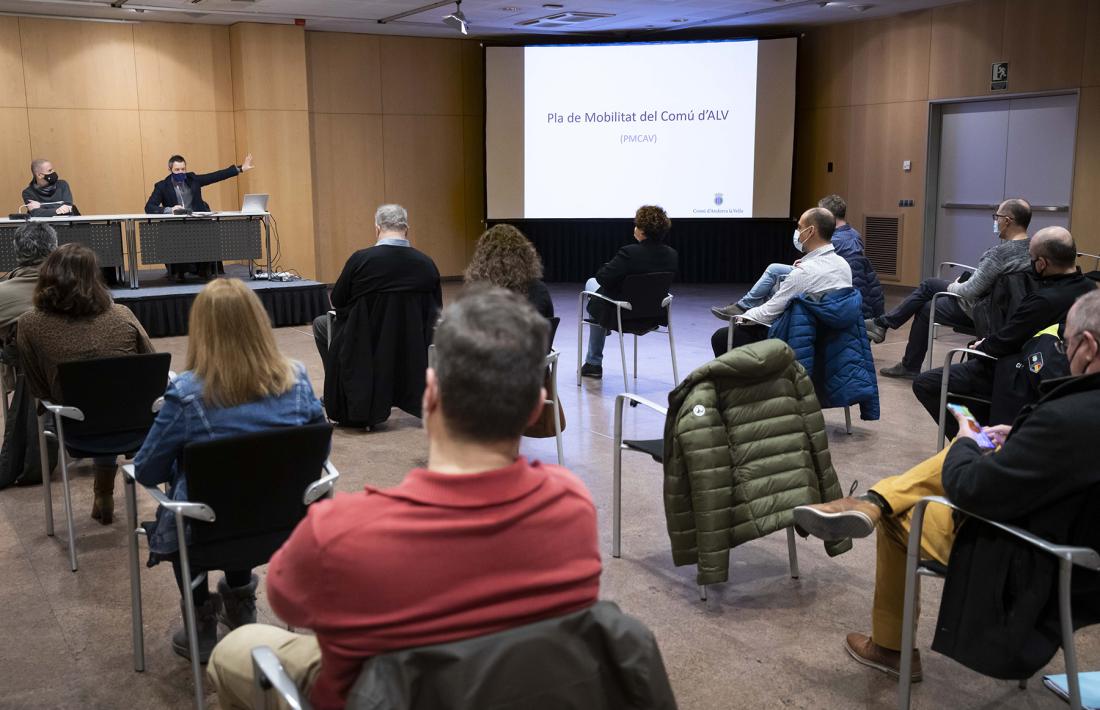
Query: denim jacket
[{"x": 186, "y": 418}]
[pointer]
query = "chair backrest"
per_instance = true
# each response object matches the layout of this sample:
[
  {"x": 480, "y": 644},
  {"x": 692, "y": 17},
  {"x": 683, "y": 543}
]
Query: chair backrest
[
  {"x": 594, "y": 658},
  {"x": 554, "y": 322},
  {"x": 1005, "y": 295},
  {"x": 645, "y": 293},
  {"x": 116, "y": 394},
  {"x": 254, "y": 483}
]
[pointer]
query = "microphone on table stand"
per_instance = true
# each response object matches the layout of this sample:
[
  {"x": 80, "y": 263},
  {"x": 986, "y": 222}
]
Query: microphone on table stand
[{"x": 20, "y": 215}]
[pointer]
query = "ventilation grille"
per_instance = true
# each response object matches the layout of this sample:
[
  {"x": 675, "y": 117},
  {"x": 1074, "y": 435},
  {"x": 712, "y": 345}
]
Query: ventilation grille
[
  {"x": 563, "y": 19},
  {"x": 881, "y": 238}
]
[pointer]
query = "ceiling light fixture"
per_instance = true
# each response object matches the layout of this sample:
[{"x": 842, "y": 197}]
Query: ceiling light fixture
[
  {"x": 457, "y": 20},
  {"x": 679, "y": 19}
]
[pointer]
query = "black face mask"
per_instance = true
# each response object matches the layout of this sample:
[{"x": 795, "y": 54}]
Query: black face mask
[
  {"x": 51, "y": 178},
  {"x": 179, "y": 177}
]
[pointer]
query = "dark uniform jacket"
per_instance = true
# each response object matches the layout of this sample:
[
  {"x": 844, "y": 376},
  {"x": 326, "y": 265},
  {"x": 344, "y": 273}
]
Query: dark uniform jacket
[{"x": 164, "y": 192}]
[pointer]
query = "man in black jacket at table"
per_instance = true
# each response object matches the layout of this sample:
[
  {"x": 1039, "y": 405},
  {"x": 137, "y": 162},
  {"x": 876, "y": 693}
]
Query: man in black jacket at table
[
  {"x": 181, "y": 193},
  {"x": 648, "y": 255},
  {"x": 1058, "y": 284}
]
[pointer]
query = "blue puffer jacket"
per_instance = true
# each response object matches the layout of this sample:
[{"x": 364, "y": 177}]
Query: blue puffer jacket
[
  {"x": 827, "y": 334},
  {"x": 848, "y": 243}
]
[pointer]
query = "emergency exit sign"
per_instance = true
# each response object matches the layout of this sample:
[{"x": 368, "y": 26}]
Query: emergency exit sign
[{"x": 998, "y": 78}]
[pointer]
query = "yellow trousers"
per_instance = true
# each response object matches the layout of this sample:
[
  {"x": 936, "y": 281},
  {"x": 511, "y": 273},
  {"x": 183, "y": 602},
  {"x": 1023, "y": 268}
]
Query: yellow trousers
[
  {"x": 230, "y": 667},
  {"x": 902, "y": 493}
]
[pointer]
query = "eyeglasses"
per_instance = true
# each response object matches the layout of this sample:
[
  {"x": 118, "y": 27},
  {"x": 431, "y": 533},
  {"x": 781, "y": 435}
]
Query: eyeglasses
[
  {"x": 1001, "y": 216},
  {"x": 1062, "y": 346}
]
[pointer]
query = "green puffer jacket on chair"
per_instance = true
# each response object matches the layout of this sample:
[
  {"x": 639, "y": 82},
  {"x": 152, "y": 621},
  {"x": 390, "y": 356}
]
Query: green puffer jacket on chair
[{"x": 744, "y": 445}]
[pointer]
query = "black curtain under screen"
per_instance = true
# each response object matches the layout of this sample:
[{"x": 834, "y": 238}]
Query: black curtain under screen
[{"x": 711, "y": 251}]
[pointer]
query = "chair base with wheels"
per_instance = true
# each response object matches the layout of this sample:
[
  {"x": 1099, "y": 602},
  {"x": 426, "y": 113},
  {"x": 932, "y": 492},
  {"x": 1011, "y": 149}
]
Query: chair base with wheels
[
  {"x": 654, "y": 448},
  {"x": 1067, "y": 556}
]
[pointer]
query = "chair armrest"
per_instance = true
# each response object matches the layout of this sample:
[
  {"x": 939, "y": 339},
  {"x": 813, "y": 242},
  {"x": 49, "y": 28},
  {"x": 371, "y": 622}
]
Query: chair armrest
[
  {"x": 172, "y": 375},
  {"x": 268, "y": 674},
  {"x": 1091, "y": 256},
  {"x": 323, "y": 486},
  {"x": 331, "y": 313},
  {"x": 625, "y": 396},
  {"x": 1081, "y": 556},
  {"x": 593, "y": 294},
  {"x": 62, "y": 410},
  {"x": 667, "y": 300},
  {"x": 937, "y": 294},
  {"x": 158, "y": 404},
  {"x": 552, "y": 358},
  {"x": 967, "y": 351},
  {"x": 188, "y": 509},
  {"x": 955, "y": 265}
]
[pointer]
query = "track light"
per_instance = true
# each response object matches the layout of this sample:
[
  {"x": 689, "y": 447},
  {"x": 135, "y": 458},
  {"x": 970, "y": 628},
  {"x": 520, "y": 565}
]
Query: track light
[{"x": 457, "y": 20}]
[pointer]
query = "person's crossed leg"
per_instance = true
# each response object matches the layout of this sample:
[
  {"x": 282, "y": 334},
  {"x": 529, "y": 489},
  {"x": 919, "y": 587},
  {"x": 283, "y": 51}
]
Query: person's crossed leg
[{"x": 886, "y": 510}]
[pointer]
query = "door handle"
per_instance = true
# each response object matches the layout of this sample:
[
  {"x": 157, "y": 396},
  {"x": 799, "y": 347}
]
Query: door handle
[{"x": 975, "y": 206}]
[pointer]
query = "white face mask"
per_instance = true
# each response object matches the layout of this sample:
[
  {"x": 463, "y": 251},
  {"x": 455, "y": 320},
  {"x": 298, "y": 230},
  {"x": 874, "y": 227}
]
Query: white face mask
[
  {"x": 996, "y": 228},
  {"x": 797, "y": 243}
]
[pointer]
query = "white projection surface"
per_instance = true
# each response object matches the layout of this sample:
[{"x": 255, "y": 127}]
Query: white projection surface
[{"x": 607, "y": 128}]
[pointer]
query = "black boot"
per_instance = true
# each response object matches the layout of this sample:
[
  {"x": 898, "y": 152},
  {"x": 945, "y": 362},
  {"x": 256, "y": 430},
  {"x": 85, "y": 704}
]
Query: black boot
[
  {"x": 206, "y": 625},
  {"x": 238, "y": 603}
]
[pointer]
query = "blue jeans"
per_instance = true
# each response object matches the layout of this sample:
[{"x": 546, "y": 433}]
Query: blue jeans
[
  {"x": 766, "y": 285},
  {"x": 596, "y": 334}
]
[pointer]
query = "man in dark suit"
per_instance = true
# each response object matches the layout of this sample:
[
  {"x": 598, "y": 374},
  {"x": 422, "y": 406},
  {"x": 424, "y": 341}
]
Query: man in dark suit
[
  {"x": 649, "y": 256},
  {"x": 182, "y": 191}
]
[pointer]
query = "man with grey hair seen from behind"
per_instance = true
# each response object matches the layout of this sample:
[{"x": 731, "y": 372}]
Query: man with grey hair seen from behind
[
  {"x": 32, "y": 243},
  {"x": 392, "y": 264}
]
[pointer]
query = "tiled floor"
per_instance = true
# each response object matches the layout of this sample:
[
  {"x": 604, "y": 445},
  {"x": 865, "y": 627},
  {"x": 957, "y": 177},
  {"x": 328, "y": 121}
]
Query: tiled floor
[{"x": 762, "y": 640}]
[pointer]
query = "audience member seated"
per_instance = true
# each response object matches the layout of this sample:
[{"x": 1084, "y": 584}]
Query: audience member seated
[
  {"x": 1010, "y": 224},
  {"x": 822, "y": 269},
  {"x": 236, "y": 382},
  {"x": 47, "y": 195},
  {"x": 19, "y": 460},
  {"x": 847, "y": 242},
  {"x": 480, "y": 541},
  {"x": 1033, "y": 480},
  {"x": 1059, "y": 283},
  {"x": 74, "y": 318},
  {"x": 505, "y": 258},
  {"x": 386, "y": 300},
  {"x": 649, "y": 256}
]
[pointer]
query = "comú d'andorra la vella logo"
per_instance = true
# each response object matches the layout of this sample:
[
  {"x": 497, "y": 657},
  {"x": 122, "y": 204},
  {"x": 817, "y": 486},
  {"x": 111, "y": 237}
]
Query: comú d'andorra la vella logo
[{"x": 718, "y": 199}]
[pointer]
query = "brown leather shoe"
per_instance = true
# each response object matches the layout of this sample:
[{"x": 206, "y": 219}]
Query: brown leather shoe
[
  {"x": 865, "y": 651},
  {"x": 839, "y": 519}
]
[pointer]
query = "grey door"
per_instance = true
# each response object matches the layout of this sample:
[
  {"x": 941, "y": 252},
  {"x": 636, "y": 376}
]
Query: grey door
[{"x": 993, "y": 150}]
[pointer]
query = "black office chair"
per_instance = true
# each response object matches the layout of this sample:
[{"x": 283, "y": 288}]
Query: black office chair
[
  {"x": 648, "y": 306},
  {"x": 655, "y": 449},
  {"x": 598, "y": 657},
  {"x": 246, "y": 495},
  {"x": 107, "y": 408}
]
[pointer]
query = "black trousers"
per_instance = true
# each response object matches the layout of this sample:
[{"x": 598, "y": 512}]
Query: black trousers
[
  {"x": 233, "y": 578},
  {"x": 320, "y": 334},
  {"x": 918, "y": 306},
  {"x": 973, "y": 378},
  {"x": 742, "y": 335}
]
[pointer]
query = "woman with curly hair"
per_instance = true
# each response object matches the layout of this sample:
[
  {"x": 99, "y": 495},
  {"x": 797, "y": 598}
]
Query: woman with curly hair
[
  {"x": 649, "y": 254},
  {"x": 505, "y": 258}
]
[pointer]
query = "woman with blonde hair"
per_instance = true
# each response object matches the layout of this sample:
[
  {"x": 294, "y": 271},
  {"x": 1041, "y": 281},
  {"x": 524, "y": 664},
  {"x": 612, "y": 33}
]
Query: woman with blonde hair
[
  {"x": 236, "y": 382},
  {"x": 505, "y": 258}
]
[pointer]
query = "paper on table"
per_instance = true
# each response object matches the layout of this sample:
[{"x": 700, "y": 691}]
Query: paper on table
[{"x": 1090, "y": 688}]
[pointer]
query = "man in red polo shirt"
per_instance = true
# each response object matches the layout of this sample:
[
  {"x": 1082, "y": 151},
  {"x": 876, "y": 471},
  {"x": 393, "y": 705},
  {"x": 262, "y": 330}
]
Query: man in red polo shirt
[{"x": 480, "y": 541}]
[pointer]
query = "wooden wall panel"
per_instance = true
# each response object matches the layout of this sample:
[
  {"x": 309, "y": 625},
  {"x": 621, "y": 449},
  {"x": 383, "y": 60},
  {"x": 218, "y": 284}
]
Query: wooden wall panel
[
  {"x": 1086, "y": 173},
  {"x": 13, "y": 92},
  {"x": 822, "y": 137},
  {"x": 78, "y": 65},
  {"x": 966, "y": 41},
  {"x": 344, "y": 73},
  {"x": 204, "y": 138},
  {"x": 424, "y": 172},
  {"x": 279, "y": 143},
  {"x": 15, "y": 168},
  {"x": 473, "y": 79},
  {"x": 890, "y": 59},
  {"x": 183, "y": 67},
  {"x": 473, "y": 164},
  {"x": 884, "y": 135},
  {"x": 269, "y": 67},
  {"x": 1092, "y": 46},
  {"x": 825, "y": 67},
  {"x": 344, "y": 222},
  {"x": 1044, "y": 43},
  {"x": 421, "y": 76},
  {"x": 97, "y": 152}
]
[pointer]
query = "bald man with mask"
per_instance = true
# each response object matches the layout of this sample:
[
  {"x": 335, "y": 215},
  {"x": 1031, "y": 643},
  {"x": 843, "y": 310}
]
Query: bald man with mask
[{"x": 1058, "y": 283}]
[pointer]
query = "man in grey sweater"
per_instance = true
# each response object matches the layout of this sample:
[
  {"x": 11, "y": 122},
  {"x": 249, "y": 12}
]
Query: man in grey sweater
[
  {"x": 47, "y": 195},
  {"x": 1010, "y": 223}
]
